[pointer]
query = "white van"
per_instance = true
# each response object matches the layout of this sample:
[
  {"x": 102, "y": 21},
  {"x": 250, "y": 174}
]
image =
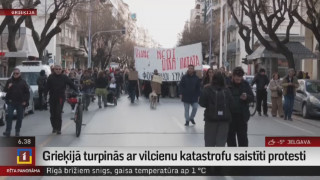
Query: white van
[{"x": 30, "y": 71}]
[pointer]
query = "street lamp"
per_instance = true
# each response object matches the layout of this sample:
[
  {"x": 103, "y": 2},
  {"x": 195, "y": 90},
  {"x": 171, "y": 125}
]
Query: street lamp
[{"x": 123, "y": 30}]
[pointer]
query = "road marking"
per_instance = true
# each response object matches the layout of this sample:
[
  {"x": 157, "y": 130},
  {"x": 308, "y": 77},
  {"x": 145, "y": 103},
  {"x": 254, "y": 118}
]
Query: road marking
[{"x": 293, "y": 126}]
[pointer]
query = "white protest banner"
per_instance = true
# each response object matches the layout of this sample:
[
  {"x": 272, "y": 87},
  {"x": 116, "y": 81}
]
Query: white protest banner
[{"x": 171, "y": 64}]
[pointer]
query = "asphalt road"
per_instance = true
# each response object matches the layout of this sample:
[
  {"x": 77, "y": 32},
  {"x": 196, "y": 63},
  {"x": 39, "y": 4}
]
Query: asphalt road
[{"x": 136, "y": 124}]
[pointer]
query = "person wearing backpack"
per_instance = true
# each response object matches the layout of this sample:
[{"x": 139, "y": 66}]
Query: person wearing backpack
[
  {"x": 242, "y": 96},
  {"x": 42, "y": 81},
  {"x": 218, "y": 101}
]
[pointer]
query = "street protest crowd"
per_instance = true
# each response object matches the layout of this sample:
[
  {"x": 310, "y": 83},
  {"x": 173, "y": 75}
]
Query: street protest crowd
[{"x": 225, "y": 96}]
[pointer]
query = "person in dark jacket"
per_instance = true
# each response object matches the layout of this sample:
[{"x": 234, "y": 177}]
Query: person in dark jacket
[
  {"x": 56, "y": 86},
  {"x": 207, "y": 80},
  {"x": 189, "y": 94},
  {"x": 290, "y": 84},
  {"x": 17, "y": 98},
  {"x": 119, "y": 82},
  {"x": 42, "y": 81},
  {"x": 101, "y": 88},
  {"x": 216, "y": 121},
  {"x": 87, "y": 84},
  {"x": 262, "y": 82},
  {"x": 133, "y": 86},
  {"x": 70, "y": 92},
  {"x": 242, "y": 96}
]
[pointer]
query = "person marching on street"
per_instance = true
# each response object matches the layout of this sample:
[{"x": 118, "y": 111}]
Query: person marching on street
[
  {"x": 87, "y": 85},
  {"x": 17, "y": 98},
  {"x": 56, "y": 86},
  {"x": 289, "y": 84},
  {"x": 133, "y": 87},
  {"x": 42, "y": 81},
  {"x": 70, "y": 91},
  {"x": 189, "y": 94},
  {"x": 119, "y": 82},
  {"x": 155, "y": 86},
  {"x": 262, "y": 82},
  {"x": 218, "y": 101},
  {"x": 207, "y": 80},
  {"x": 242, "y": 96},
  {"x": 276, "y": 95},
  {"x": 101, "y": 85}
]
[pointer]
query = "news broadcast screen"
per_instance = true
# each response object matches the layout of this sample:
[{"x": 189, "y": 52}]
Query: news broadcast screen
[{"x": 150, "y": 89}]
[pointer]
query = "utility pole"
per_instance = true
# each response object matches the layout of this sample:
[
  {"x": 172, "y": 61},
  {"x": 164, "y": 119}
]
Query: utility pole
[
  {"x": 221, "y": 29},
  {"x": 226, "y": 33},
  {"x": 210, "y": 43},
  {"x": 89, "y": 35}
]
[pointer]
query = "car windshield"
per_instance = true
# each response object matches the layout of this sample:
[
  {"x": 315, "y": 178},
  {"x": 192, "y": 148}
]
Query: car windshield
[
  {"x": 30, "y": 77},
  {"x": 313, "y": 87},
  {"x": 249, "y": 79}
]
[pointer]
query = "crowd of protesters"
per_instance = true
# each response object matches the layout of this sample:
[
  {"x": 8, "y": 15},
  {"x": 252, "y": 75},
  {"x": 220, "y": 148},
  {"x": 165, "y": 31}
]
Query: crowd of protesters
[{"x": 225, "y": 96}]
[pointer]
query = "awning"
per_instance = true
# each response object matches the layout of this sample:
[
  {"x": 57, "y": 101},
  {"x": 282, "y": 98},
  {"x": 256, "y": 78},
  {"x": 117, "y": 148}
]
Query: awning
[{"x": 299, "y": 52}]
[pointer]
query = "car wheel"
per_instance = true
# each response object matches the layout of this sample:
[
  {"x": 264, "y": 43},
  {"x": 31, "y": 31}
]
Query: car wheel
[
  {"x": 305, "y": 111},
  {"x": 32, "y": 108}
]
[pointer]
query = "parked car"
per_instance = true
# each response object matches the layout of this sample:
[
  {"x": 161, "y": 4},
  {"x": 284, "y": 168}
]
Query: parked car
[
  {"x": 2, "y": 102},
  {"x": 249, "y": 79},
  {"x": 30, "y": 71},
  {"x": 307, "y": 100},
  {"x": 29, "y": 109}
]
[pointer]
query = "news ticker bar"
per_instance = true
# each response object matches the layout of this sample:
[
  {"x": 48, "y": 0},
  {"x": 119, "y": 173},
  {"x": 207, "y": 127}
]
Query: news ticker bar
[
  {"x": 18, "y": 12},
  {"x": 159, "y": 156},
  {"x": 159, "y": 171},
  {"x": 177, "y": 156}
]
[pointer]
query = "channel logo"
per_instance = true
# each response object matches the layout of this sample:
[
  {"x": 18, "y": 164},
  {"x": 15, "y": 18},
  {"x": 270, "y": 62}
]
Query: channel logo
[{"x": 24, "y": 156}]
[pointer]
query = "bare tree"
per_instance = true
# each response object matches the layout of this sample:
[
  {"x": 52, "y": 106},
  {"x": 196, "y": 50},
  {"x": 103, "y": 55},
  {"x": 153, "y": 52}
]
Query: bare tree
[
  {"x": 14, "y": 25},
  {"x": 103, "y": 42},
  {"x": 244, "y": 30},
  {"x": 125, "y": 52},
  {"x": 266, "y": 16},
  {"x": 312, "y": 18},
  {"x": 198, "y": 32},
  {"x": 62, "y": 10}
]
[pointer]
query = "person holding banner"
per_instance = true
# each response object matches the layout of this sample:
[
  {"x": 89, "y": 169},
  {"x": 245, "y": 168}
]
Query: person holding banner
[
  {"x": 156, "y": 83},
  {"x": 189, "y": 93},
  {"x": 133, "y": 83}
]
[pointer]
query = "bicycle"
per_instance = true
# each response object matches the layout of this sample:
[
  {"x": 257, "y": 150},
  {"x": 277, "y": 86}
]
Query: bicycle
[{"x": 77, "y": 101}]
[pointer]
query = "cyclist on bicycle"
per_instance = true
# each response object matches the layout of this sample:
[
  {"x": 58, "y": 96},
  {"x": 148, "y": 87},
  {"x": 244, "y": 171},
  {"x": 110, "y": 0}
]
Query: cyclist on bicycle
[{"x": 87, "y": 84}]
